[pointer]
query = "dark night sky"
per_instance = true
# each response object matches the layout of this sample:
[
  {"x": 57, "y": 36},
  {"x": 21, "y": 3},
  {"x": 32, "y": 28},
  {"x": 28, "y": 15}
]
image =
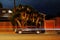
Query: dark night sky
[{"x": 50, "y": 7}]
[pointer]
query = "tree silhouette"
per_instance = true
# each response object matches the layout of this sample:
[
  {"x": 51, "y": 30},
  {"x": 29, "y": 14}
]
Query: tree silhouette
[{"x": 1, "y": 5}]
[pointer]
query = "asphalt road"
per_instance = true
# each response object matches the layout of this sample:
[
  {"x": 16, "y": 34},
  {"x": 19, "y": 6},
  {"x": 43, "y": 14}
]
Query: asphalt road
[
  {"x": 13, "y": 36},
  {"x": 7, "y": 35}
]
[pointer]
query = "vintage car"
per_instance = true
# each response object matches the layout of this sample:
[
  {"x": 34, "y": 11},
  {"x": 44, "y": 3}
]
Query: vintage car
[{"x": 28, "y": 19}]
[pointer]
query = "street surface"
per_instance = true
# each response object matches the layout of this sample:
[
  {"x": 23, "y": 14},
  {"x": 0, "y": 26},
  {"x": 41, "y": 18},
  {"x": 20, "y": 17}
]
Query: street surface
[
  {"x": 6, "y": 34},
  {"x": 13, "y": 36}
]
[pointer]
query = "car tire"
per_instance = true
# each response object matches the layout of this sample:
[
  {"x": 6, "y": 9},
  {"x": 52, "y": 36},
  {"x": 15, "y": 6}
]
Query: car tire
[
  {"x": 20, "y": 32},
  {"x": 37, "y": 32}
]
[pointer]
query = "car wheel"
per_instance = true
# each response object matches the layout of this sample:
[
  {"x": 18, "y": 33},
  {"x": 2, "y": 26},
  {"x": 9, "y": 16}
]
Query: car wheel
[
  {"x": 20, "y": 32},
  {"x": 37, "y": 32}
]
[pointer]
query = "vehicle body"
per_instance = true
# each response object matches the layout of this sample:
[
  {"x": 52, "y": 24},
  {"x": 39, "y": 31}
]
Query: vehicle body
[{"x": 28, "y": 19}]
